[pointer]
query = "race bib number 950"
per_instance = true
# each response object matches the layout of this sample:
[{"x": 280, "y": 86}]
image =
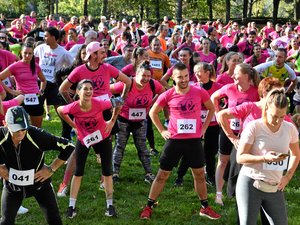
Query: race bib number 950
[{"x": 186, "y": 126}]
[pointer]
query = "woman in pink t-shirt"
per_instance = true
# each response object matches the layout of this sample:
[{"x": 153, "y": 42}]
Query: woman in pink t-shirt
[
  {"x": 186, "y": 57},
  {"x": 73, "y": 39},
  {"x": 92, "y": 130},
  {"x": 187, "y": 44},
  {"x": 230, "y": 61},
  {"x": 27, "y": 74},
  {"x": 138, "y": 55},
  {"x": 18, "y": 31},
  {"x": 205, "y": 54},
  {"x": 206, "y": 76},
  {"x": 244, "y": 89},
  {"x": 133, "y": 118}
]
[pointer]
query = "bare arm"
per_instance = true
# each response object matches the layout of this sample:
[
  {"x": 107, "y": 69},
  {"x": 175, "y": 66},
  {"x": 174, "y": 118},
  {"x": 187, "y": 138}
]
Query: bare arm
[
  {"x": 127, "y": 81},
  {"x": 211, "y": 110},
  {"x": 63, "y": 90},
  {"x": 155, "y": 119},
  {"x": 164, "y": 81},
  {"x": 65, "y": 117}
]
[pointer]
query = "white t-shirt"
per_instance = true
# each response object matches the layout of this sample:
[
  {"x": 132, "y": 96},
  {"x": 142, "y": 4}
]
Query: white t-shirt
[
  {"x": 263, "y": 140},
  {"x": 51, "y": 60}
]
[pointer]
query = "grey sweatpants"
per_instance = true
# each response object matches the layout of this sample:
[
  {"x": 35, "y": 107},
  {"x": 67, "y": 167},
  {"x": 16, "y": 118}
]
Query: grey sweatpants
[{"x": 249, "y": 201}]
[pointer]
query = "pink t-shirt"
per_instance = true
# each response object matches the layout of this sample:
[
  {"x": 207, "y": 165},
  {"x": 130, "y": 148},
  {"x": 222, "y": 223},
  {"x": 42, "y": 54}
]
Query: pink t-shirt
[
  {"x": 226, "y": 41},
  {"x": 51, "y": 23},
  {"x": 184, "y": 45},
  {"x": 245, "y": 48},
  {"x": 145, "y": 41},
  {"x": 224, "y": 79},
  {"x": 274, "y": 35},
  {"x": 261, "y": 60},
  {"x": 100, "y": 77},
  {"x": 249, "y": 111},
  {"x": 18, "y": 33},
  {"x": 235, "y": 98},
  {"x": 185, "y": 110},
  {"x": 88, "y": 123},
  {"x": 215, "y": 86},
  {"x": 70, "y": 44},
  {"x": 207, "y": 58},
  {"x": 6, "y": 105},
  {"x": 60, "y": 25},
  {"x": 138, "y": 102},
  {"x": 6, "y": 58},
  {"x": 25, "y": 81},
  {"x": 129, "y": 70}
]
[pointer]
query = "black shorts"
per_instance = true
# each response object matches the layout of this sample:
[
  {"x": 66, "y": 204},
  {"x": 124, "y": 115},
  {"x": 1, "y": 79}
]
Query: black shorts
[
  {"x": 225, "y": 145},
  {"x": 175, "y": 149},
  {"x": 51, "y": 94},
  {"x": 103, "y": 148},
  {"x": 35, "y": 110}
]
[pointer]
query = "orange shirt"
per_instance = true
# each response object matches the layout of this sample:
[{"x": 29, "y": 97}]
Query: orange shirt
[
  {"x": 163, "y": 43},
  {"x": 157, "y": 62},
  {"x": 68, "y": 26}
]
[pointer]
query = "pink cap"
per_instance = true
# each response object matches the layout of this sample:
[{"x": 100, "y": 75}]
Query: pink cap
[{"x": 94, "y": 46}]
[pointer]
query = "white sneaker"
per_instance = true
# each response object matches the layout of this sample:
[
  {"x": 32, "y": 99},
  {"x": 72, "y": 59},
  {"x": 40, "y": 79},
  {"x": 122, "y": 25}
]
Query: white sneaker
[
  {"x": 218, "y": 199},
  {"x": 22, "y": 210}
]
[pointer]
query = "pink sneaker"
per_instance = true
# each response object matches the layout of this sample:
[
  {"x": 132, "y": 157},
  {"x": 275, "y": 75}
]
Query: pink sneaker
[{"x": 62, "y": 191}]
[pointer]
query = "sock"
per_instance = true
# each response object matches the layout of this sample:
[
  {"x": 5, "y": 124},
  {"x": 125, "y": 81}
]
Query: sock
[
  {"x": 72, "y": 202},
  {"x": 151, "y": 202},
  {"x": 109, "y": 202},
  {"x": 204, "y": 203},
  {"x": 67, "y": 177}
]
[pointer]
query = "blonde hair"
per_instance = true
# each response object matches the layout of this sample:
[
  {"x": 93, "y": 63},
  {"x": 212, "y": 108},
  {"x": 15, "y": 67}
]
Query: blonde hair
[
  {"x": 277, "y": 98},
  {"x": 206, "y": 67},
  {"x": 251, "y": 72}
]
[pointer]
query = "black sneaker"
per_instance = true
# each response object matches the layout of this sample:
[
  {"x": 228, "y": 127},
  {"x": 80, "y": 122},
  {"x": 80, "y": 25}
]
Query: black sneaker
[
  {"x": 111, "y": 211},
  {"x": 115, "y": 177},
  {"x": 178, "y": 182},
  {"x": 210, "y": 181},
  {"x": 149, "y": 178},
  {"x": 154, "y": 152},
  {"x": 71, "y": 213}
]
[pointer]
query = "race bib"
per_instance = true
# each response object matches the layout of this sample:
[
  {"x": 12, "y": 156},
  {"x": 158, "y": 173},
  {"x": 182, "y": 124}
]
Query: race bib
[
  {"x": 235, "y": 124},
  {"x": 103, "y": 97},
  {"x": 276, "y": 166},
  {"x": 31, "y": 99},
  {"x": 48, "y": 71},
  {"x": 41, "y": 34},
  {"x": 137, "y": 114},
  {"x": 21, "y": 177},
  {"x": 204, "y": 116},
  {"x": 186, "y": 126},
  {"x": 92, "y": 139},
  {"x": 229, "y": 45},
  {"x": 191, "y": 82},
  {"x": 7, "y": 82},
  {"x": 156, "y": 64}
]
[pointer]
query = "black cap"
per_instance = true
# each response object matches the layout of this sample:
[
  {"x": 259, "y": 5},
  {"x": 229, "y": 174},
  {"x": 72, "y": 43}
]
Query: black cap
[{"x": 16, "y": 119}]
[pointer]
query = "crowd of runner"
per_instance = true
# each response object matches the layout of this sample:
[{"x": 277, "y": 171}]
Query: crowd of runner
[{"x": 229, "y": 94}]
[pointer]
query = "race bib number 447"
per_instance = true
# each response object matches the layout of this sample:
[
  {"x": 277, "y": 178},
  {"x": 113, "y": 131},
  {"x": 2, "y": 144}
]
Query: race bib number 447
[
  {"x": 186, "y": 126},
  {"x": 92, "y": 138},
  {"x": 137, "y": 114},
  {"x": 21, "y": 177}
]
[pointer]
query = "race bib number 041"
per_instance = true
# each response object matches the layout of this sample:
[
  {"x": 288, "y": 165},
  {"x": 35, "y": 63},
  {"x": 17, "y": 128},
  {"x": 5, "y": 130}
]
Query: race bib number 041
[
  {"x": 186, "y": 126},
  {"x": 21, "y": 177},
  {"x": 92, "y": 139}
]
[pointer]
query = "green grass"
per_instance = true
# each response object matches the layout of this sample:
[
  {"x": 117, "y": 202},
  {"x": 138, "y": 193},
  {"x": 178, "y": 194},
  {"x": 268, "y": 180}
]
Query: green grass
[{"x": 176, "y": 205}]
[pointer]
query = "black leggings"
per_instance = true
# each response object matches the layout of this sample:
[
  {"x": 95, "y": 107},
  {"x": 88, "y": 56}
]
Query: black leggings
[
  {"x": 11, "y": 202},
  {"x": 150, "y": 133},
  {"x": 104, "y": 148}
]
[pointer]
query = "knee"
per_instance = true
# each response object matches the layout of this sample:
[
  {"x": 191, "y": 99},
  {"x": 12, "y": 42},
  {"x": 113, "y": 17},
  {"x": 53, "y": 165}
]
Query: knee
[{"x": 162, "y": 176}]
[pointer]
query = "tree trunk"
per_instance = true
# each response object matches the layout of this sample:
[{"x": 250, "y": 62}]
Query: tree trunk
[
  {"x": 275, "y": 10},
  {"x": 250, "y": 5},
  {"x": 245, "y": 10},
  {"x": 296, "y": 9},
  {"x": 210, "y": 9},
  {"x": 157, "y": 10},
  {"x": 227, "y": 10},
  {"x": 179, "y": 11},
  {"x": 141, "y": 9},
  {"x": 56, "y": 7},
  {"x": 85, "y": 8},
  {"x": 104, "y": 8}
]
